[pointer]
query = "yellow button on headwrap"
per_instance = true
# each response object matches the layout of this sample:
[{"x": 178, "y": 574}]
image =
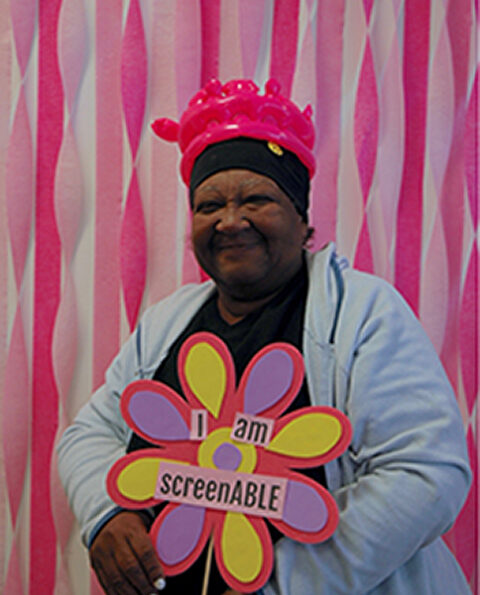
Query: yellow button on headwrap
[{"x": 274, "y": 148}]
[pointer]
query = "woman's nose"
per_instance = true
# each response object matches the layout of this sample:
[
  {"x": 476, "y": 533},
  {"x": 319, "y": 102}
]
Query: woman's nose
[{"x": 231, "y": 218}]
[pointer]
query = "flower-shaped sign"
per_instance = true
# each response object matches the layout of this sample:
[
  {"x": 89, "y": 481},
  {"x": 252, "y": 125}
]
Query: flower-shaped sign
[{"x": 227, "y": 459}]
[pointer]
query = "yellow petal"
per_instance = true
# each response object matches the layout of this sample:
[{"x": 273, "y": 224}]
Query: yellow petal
[
  {"x": 242, "y": 550},
  {"x": 307, "y": 436},
  {"x": 206, "y": 375},
  {"x": 137, "y": 481}
]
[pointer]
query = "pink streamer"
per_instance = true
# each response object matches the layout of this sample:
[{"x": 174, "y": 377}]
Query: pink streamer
[
  {"x": 14, "y": 582},
  {"x": 161, "y": 217},
  {"x": 187, "y": 44},
  {"x": 134, "y": 75},
  {"x": 469, "y": 332},
  {"x": 15, "y": 418},
  {"x": 109, "y": 145},
  {"x": 471, "y": 149},
  {"x": 23, "y": 24},
  {"x": 327, "y": 117},
  {"x": 368, "y": 5},
  {"x": 46, "y": 298},
  {"x": 469, "y": 329},
  {"x": 189, "y": 78},
  {"x": 72, "y": 48},
  {"x": 133, "y": 252},
  {"x": 452, "y": 192},
  {"x": 210, "y": 15},
  {"x": 366, "y": 139},
  {"x": 409, "y": 221},
  {"x": 463, "y": 537},
  {"x": 284, "y": 43},
  {"x": 19, "y": 187},
  {"x": 5, "y": 108},
  {"x": 16, "y": 145},
  {"x": 250, "y": 15}
]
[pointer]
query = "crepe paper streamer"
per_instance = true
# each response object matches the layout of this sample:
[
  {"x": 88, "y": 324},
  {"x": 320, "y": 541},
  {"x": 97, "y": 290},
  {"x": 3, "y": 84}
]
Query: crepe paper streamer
[
  {"x": 409, "y": 219},
  {"x": 108, "y": 188},
  {"x": 284, "y": 43},
  {"x": 19, "y": 186},
  {"x": 366, "y": 141},
  {"x": 72, "y": 48},
  {"x": 16, "y": 178},
  {"x": 251, "y": 17},
  {"x": 459, "y": 22},
  {"x": 23, "y": 14},
  {"x": 133, "y": 251},
  {"x": 134, "y": 74},
  {"x": 225, "y": 486},
  {"x": 329, "y": 59},
  {"x": 210, "y": 23},
  {"x": 133, "y": 245},
  {"x": 43, "y": 555}
]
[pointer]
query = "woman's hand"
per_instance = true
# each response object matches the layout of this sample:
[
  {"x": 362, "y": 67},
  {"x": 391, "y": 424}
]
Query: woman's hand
[{"x": 124, "y": 559}]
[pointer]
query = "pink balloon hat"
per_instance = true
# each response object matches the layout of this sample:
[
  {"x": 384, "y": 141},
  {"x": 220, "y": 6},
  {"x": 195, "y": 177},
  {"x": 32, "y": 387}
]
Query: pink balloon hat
[{"x": 236, "y": 109}]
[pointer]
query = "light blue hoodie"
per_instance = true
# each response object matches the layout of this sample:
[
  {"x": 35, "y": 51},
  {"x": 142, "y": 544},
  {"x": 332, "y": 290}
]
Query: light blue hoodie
[{"x": 398, "y": 487}]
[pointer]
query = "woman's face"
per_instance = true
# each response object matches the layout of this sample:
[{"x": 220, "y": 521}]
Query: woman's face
[{"x": 246, "y": 233}]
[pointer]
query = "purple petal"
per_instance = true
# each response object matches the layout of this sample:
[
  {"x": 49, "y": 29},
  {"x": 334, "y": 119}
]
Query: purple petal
[
  {"x": 304, "y": 508},
  {"x": 157, "y": 417},
  {"x": 269, "y": 380},
  {"x": 179, "y": 533}
]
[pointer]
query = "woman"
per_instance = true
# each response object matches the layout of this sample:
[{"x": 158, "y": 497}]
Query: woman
[{"x": 247, "y": 162}]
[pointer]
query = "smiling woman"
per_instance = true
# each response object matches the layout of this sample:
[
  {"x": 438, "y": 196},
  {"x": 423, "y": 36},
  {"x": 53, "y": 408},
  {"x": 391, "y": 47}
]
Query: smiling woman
[
  {"x": 247, "y": 160},
  {"x": 248, "y": 237}
]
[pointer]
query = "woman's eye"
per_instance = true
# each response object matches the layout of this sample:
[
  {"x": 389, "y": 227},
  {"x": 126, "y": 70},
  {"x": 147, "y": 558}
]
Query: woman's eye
[
  {"x": 257, "y": 199},
  {"x": 208, "y": 206}
]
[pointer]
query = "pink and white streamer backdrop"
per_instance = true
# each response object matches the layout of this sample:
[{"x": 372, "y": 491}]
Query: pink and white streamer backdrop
[{"x": 93, "y": 218}]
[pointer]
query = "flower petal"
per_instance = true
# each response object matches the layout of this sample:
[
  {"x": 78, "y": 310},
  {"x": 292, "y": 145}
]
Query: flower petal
[
  {"x": 179, "y": 535},
  {"x": 155, "y": 411},
  {"x": 242, "y": 550},
  {"x": 304, "y": 509},
  {"x": 132, "y": 479},
  {"x": 137, "y": 480},
  {"x": 271, "y": 380},
  {"x": 307, "y": 435},
  {"x": 310, "y": 513},
  {"x": 206, "y": 375}
]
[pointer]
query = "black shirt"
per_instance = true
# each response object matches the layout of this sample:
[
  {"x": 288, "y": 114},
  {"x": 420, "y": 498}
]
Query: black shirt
[{"x": 281, "y": 319}]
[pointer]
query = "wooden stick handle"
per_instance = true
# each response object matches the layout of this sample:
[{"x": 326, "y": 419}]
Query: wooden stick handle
[{"x": 208, "y": 567}]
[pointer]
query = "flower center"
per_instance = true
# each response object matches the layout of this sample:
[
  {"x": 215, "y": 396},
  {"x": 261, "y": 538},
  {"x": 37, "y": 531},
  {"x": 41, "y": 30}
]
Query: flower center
[
  {"x": 227, "y": 456},
  {"x": 219, "y": 451}
]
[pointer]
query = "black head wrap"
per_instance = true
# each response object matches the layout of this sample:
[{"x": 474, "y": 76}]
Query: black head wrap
[{"x": 260, "y": 156}]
